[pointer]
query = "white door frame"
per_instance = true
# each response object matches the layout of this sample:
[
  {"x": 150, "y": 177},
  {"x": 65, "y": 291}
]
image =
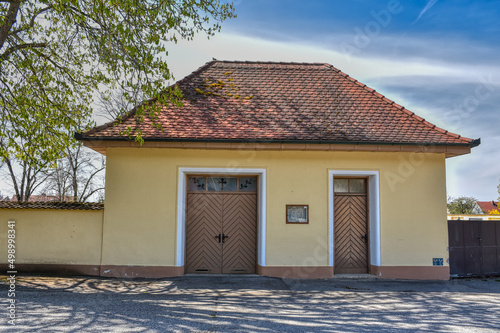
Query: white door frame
[
  {"x": 373, "y": 211},
  {"x": 181, "y": 208}
]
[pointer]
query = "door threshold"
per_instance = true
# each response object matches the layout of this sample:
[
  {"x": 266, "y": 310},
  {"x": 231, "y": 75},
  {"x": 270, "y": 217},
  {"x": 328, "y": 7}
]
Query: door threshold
[{"x": 355, "y": 276}]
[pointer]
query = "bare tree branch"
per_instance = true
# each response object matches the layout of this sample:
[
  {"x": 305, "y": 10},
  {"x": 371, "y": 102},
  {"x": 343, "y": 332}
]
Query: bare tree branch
[
  {"x": 77, "y": 174},
  {"x": 89, "y": 182},
  {"x": 32, "y": 21},
  {"x": 84, "y": 199},
  {"x": 18, "y": 47}
]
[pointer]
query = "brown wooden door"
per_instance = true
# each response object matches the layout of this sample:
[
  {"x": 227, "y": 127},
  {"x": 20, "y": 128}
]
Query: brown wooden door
[
  {"x": 233, "y": 216},
  {"x": 239, "y": 216},
  {"x": 203, "y": 225},
  {"x": 351, "y": 233}
]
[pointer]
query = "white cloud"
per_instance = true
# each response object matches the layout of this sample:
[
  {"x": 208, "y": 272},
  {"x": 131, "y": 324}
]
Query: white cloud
[{"x": 187, "y": 56}]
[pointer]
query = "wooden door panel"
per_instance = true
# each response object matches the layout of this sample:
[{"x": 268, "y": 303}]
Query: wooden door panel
[
  {"x": 203, "y": 223},
  {"x": 472, "y": 247},
  {"x": 456, "y": 248},
  {"x": 489, "y": 249},
  {"x": 240, "y": 227},
  {"x": 472, "y": 257},
  {"x": 233, "y": 215},
  {"x": 457, "y": 262},
  {"x": 456, "y": 233},
  {"x": 351, "y": 249}
]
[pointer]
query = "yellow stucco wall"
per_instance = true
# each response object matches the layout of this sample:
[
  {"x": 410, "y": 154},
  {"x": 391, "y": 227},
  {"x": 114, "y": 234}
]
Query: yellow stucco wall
[
  {"x": 48, "y": 236},
  {"x": 413, "y": 210},
  {"x": 141, "y": 203}
]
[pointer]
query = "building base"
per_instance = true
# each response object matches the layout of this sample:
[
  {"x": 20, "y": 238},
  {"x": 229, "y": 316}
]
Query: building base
[
  {"x": 296, "y": 272},
  {"x": 293, "y": 272},
  {"x": 412, "y": 272}
]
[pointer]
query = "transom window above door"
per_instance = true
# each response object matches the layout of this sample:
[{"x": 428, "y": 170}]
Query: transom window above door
[
  {"x": 349, "y": 185},
  {"x": 222, "y": 184}
]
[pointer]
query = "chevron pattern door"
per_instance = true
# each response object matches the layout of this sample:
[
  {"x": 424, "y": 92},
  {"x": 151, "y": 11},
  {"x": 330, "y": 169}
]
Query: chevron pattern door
[
  {"x": 221, "y": 228},
  {"x": 239, "y": 216},
  {"x": 203, "y": 225},
  {"x": 351, "y": 231}
]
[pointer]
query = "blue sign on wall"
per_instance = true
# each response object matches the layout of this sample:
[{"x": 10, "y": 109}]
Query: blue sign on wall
[{"x": 437, "y": 261}]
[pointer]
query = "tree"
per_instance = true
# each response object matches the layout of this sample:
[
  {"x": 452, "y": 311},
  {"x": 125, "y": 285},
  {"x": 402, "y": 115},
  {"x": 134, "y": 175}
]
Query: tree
[
  {"x": 463, "y": 205},
  {"x": 57, "y": 55},
  {"x": 25, "y": 174},
  {"x": 78, "y": 175}
]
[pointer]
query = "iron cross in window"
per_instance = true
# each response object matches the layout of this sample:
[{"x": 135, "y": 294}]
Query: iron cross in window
[{"x": 222, "y": 181}]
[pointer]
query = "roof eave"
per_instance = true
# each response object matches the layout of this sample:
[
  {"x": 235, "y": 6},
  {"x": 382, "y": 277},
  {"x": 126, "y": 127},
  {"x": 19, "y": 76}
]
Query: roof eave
[{"x": 472, "y": 144}]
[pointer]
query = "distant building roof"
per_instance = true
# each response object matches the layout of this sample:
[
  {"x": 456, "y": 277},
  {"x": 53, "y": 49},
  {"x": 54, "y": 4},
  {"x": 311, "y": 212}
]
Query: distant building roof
[
  {"x": 489, "y": 207},
  {"x": 263, "y": 102},
  {"x": 45, "y": 198},
  {"x": 52, "y": 205}
]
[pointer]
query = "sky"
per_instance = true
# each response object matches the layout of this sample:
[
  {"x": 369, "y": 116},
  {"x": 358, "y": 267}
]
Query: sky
[{"x": 439, "y": 59}]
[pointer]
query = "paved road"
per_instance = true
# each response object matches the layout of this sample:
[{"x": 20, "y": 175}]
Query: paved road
[{"x": 251, "y": 304}]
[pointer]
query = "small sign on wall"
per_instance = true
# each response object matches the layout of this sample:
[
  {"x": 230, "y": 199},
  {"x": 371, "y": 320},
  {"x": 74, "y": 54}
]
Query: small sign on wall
[
  {"x": 297, "y": 214},
  {"x": 437, "y": 261}
]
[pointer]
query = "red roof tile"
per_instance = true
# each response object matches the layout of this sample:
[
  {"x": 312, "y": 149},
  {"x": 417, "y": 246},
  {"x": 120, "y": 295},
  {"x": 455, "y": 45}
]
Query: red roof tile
[
  {"x": 489, "y": 207},
  {"x": 52, "y": 205},
  {"x": 280, "y": 102}
]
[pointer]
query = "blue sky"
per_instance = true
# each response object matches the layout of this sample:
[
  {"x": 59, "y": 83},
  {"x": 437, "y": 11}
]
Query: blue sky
[{"x": 440, "y": 59}]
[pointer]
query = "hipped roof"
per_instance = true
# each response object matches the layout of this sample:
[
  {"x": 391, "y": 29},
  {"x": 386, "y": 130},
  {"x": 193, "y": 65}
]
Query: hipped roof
[{"x": 265, "y": 102}]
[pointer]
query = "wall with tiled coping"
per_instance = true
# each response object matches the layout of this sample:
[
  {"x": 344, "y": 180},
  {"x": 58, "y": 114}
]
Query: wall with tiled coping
[{"x": 54, "y": 240}]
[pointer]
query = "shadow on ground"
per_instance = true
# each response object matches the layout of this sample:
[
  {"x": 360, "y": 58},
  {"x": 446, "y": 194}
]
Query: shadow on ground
[{"x": 253, "y": 304}]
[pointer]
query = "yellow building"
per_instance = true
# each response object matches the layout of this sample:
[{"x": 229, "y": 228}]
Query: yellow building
[{"x": 279, "y": 169}]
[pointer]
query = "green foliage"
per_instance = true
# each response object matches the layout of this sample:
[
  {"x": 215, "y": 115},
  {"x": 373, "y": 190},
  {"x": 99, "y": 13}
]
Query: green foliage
[
  {"x": 462, "y": 205},
  {"x": 57, "y": 56}
]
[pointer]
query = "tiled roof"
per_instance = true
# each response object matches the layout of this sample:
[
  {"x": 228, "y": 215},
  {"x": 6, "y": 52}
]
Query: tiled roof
[
  {"x": 44, "y": 197},
  {"x": 488, "y": 207},
  {"x": 52, "y": 205},
  {"x": 280, "y": 102}
]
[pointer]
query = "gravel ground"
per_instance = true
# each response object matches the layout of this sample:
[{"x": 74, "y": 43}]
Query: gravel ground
[{"x": 250, "y": 304}]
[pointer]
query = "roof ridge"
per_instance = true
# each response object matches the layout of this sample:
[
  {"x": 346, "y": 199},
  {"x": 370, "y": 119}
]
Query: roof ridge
[
  {"x": 195, "y": 72},
  {"x": 267, "y": 62}
]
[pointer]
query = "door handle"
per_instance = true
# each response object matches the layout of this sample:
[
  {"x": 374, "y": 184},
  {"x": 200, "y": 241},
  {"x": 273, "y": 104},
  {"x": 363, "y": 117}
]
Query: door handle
[
  {"x": 218, "y": 237},
  {"x": 224, "y": 237},
  {"x": 365, "y": 238}
]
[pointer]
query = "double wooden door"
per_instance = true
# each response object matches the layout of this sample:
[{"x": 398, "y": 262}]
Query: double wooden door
[
  {"x": 351, "y": 227},
  {"x": 474, "y": 248},
  {"x": 221, "y": 232}
]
